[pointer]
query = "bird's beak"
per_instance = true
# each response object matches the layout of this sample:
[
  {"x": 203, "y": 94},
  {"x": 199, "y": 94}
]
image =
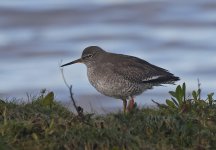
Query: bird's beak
[{"x": 73, "y": 62}]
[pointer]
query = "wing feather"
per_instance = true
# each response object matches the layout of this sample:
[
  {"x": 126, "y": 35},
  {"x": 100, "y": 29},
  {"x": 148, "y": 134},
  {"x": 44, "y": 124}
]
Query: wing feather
[{"x": 138, "y": 70}]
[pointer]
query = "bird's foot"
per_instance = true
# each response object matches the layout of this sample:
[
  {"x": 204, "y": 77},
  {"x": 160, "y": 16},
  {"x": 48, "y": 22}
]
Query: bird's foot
[{"x": 131, "y": 105}]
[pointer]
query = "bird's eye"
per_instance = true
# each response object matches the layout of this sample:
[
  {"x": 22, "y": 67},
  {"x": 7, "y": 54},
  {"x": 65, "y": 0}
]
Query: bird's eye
[{"x": 88, "y": 56}]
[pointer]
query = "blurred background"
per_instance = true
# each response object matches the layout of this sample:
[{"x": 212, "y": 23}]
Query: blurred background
[{"x": 37, "y": 36}]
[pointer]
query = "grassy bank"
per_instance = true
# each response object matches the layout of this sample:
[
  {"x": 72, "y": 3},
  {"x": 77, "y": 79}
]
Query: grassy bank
[{"x": 182, "y": 123}]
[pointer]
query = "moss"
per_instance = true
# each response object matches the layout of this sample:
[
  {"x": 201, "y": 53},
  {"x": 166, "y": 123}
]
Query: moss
[{"x": 43, "y": 123}]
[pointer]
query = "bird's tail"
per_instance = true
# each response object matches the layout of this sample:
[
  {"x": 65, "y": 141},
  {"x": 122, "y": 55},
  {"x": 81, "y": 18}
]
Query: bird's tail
[{"x": 166, "y": 79}]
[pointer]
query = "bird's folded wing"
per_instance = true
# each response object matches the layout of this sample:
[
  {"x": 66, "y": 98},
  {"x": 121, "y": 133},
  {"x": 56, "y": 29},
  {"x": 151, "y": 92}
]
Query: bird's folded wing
[{"x": 138, "y": 71}]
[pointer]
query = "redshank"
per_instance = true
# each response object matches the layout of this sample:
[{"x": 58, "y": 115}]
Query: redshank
[{"x": 121, "y": 76}]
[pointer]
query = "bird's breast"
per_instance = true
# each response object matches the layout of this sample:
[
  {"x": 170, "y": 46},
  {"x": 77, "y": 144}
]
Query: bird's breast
[
  {"x": 101, "y": 82},
  {"x": 111, "y": 84}
]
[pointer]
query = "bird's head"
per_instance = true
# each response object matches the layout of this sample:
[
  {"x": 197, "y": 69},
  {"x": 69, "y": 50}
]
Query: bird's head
[{"x": 89, "y": 55}]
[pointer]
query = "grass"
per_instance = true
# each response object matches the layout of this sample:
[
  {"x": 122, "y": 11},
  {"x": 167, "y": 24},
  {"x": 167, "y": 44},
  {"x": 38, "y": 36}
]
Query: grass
[{"x": 182, "y": 123}]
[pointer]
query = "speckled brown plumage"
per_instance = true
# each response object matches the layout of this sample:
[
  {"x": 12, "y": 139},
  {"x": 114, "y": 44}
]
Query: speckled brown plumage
[{"x": 121, "y": 76}]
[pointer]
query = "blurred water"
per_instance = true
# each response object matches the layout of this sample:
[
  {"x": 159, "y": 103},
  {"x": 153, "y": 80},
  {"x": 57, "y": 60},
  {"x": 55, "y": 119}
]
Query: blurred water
[{"x": 35, "y": 36}]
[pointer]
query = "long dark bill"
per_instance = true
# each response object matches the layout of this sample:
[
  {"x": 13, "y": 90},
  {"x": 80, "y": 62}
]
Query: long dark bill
[{"x": 73, "y": 62}]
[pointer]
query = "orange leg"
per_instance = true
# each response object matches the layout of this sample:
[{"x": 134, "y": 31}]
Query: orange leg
[{"x": 131, "y": 104}]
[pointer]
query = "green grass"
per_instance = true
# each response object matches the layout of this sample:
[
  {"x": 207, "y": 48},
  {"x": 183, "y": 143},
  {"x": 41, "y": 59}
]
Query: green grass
[{"x": 43, "y": 123}]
